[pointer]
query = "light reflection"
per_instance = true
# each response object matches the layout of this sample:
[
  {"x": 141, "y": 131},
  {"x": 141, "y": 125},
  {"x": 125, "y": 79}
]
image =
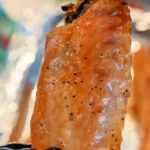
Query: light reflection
[
  {"x": 122, "y": 84},
  {"x": 132, "y": 72},
  {"x": 135, "y": 46},
  {"x": 10, "y": 89},
  {"x": 106, "y": 101},
  {"x": 136, "y": 14},
  {"x": 97, "y": 139},
  {"x": 142, "y": 26},
  {"x": 102, "y": 119},
  {"x": 141, "y": 19},
  {"x": 109, "y": 85}
]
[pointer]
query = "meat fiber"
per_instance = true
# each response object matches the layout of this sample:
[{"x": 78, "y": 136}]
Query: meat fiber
[{"x": 85, "y": 80}]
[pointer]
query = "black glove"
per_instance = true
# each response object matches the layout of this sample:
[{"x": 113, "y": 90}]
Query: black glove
[{"x": 21, "y": 147}]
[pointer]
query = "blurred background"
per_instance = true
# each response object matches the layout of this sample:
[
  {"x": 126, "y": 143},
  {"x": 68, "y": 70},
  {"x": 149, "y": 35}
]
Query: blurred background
[{"x": 23, "y": 27}]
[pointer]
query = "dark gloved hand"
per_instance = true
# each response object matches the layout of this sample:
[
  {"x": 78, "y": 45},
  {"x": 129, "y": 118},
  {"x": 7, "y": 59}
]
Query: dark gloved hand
[{"x": 21, "y": 147}]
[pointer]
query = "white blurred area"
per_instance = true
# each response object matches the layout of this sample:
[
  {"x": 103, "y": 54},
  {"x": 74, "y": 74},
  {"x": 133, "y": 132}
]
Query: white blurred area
[
  {"x": 25, "y": 43},
  {"x": 18, "y": 9},
  {"x": 141, "y": 22},
  {"x": 141, "y": 18}
]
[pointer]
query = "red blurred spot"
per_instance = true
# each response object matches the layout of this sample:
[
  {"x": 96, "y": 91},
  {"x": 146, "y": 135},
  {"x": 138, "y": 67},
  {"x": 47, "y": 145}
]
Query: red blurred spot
[{"x": 4, "y": 42}]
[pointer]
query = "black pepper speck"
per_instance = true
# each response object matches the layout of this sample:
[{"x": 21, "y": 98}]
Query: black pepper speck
[
  {"x": 75, "y": 73},
  {"x": 91, "y": 104},
  {"x": 53, "y": 148}
]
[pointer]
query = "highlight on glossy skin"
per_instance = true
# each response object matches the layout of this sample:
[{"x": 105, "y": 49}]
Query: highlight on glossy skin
[{"x": 84, "y": 82}]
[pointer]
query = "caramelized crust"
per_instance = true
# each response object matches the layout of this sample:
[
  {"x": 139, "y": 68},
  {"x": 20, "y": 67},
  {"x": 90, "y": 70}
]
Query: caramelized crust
[
  {"x": 85, "y": 81},
  {"x": 75, "y": 11}
]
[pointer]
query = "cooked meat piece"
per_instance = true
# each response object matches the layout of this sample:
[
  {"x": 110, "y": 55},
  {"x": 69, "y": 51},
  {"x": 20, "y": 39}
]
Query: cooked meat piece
[
  {"x": 84, "y": 82},
  {"x": 139, "y": 106}
]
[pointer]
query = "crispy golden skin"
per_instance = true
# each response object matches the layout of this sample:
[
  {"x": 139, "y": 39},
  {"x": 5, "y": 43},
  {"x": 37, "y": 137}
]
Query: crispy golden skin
[{"x": 85, "y": 81}]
